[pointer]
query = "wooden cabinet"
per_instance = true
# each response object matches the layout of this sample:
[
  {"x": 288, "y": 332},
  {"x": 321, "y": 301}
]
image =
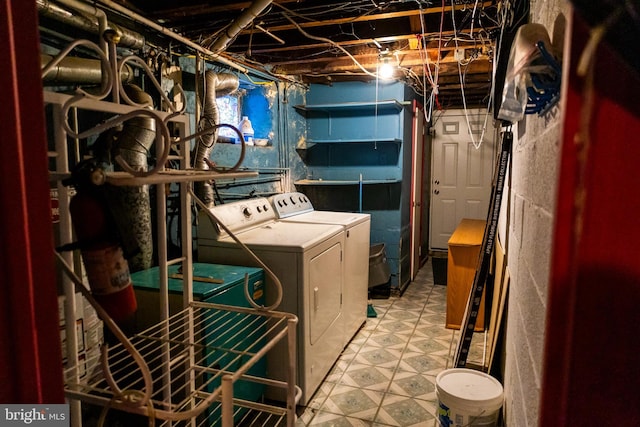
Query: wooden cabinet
[{"x": 464, "y": 249}]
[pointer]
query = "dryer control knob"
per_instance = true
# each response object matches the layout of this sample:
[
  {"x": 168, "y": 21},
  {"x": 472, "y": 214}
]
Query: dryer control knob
[
  {"x": 265, "y": 207},
  {"x": 246, "y": 212}
]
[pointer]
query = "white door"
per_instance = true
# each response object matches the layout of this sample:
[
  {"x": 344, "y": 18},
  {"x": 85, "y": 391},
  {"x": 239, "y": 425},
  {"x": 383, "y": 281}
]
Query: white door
[
  {"x": 461, "y": 173},
  {"x": 417, "y": 146}
]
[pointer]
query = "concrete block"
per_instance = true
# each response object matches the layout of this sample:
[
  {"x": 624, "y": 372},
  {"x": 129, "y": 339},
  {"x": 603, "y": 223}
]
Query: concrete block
[
  {"x": 542, "y": 239},
  {"x": 525, "y": 388},
  {"x": 517, "y": 219},
  {"x": 532, "y": 313},
  {"x": 546, "y": 162},
  {"x": 514, "y": 405}
]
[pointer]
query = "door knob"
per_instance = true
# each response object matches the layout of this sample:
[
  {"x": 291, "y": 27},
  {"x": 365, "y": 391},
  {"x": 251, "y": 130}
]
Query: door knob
[{"x": 437, "y": 191}]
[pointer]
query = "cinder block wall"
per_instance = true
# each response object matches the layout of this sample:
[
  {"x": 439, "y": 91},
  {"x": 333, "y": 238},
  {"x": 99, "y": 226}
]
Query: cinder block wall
[{"x": 528, "y": 234}]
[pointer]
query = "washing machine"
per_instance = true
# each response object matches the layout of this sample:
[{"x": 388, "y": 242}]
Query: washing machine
[
  {"x": 307, "y": 259},
  {"x": 296, "y": 207}
]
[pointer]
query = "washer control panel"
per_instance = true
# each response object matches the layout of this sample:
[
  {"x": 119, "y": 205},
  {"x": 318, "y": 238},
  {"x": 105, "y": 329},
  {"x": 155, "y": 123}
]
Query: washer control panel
[
  {"x": 290, "y": 204},
  {"x": 236, "y": 216}
]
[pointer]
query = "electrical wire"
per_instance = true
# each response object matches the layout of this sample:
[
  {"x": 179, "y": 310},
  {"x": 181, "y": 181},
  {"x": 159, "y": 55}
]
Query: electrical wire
[
  {"x": 326, "y": 40},
  {"x": 473, "y": 17},
  {"x": 332, "y": 9},
  {"x": 427, "y": 106},
  {"x": 503, "y": 24},
  {"x": 475, "y": 143},
  {"x": 437, "y": 71}
]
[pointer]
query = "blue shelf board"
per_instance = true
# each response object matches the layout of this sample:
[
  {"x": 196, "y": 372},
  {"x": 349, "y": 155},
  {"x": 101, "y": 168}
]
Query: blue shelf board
[
  {"x": 344, "y": 182},
  {"x": 354, "y": 140},
  {"x": 344, "y": 106}
]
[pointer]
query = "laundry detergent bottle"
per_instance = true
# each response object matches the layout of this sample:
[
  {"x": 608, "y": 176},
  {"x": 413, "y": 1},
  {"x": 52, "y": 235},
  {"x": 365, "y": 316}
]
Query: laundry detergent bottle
[{"x": 247, "y": 130}]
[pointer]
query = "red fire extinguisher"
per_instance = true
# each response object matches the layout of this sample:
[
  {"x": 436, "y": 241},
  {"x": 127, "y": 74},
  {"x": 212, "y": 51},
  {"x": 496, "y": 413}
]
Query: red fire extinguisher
[{"x": 97, "y": 237}]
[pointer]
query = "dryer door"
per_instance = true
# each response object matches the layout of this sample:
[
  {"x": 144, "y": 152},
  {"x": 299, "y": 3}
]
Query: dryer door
[{"x": 325, "y": 281}]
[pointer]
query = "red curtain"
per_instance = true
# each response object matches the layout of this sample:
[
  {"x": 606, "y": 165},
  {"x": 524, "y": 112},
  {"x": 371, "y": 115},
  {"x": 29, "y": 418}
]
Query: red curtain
[
  {"x": 30, "y": 357},
  {"x": 591, "y": 372}
]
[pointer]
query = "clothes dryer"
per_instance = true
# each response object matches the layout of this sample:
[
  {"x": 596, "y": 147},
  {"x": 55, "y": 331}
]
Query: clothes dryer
[
  {"x": 296, "y": 207},
  {"x": 307, "y": 259}
]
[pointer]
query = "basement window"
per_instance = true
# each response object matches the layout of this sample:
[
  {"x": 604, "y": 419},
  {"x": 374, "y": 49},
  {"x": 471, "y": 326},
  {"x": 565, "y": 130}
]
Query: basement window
[{"x": 228, "y": 107}]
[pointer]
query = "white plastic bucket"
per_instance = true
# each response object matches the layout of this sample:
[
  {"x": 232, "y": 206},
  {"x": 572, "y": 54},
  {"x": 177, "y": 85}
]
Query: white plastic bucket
[{"x": 468, "y": 398}]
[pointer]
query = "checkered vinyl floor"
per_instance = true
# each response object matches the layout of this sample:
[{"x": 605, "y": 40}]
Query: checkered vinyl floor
[{"x": 386, "y": 376}]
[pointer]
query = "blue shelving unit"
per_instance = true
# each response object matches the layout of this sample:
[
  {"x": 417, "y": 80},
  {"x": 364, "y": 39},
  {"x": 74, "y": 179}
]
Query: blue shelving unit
[{"x": 357, "y": 159}]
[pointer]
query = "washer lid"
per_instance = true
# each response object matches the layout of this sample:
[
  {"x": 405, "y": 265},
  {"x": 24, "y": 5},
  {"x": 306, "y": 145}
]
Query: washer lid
[{"x": 280, "y": 235}]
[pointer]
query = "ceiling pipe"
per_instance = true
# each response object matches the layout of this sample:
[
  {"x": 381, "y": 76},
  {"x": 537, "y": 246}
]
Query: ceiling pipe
[
  {"x": 246, "y": 18},
  {"x": 167, "y": 32},
  {"x": 93, "y": 11},
  {"x": 88, "y": 22},
  {"x": 80, "y": 71},
  {"x": 65, "y": 16}
]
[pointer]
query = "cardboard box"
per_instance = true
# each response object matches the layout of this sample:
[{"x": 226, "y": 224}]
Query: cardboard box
[
  {"x": 464, "y": 249},
  {"x": 89, "y": 327}
]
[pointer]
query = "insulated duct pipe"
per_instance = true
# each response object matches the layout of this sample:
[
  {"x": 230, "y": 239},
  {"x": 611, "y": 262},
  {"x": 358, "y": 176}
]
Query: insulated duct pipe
[
  {"x": 131, "y": 206},
  {"x": 215, "y": 85},
  {"x": 89, "y": 22},
  {"x": 80, "y": 71},
  {"x": 246, "y": 18}
]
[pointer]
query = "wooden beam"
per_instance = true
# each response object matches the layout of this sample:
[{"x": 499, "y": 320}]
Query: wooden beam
[
  {"x": 404, "y": 58},
  {"x": 205, "y": 9},
  {"x": 348, "y": 43},
  {"x": 367, "y": 18},
  {"x": 369, "y": 62}
]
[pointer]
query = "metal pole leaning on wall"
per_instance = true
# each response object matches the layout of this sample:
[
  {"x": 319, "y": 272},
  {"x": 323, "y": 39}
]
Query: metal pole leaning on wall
[{"x": 484, "y": 259}]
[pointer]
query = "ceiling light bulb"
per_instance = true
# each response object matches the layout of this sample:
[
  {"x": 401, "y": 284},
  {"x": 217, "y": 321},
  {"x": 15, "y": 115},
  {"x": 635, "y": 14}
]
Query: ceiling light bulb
[{"x": 385, "y": 71}]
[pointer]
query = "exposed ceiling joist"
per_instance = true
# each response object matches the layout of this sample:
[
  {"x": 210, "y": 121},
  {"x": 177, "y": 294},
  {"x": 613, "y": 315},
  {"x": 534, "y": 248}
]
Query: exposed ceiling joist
[
  {"x": 321, "y": 40},
  {"x": 369, "y": 18}
]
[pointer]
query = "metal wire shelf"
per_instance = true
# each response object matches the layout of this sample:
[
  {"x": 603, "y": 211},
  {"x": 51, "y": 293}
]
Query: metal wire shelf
[
  {"x": 184, "y": 370},
  {"x": 207, "y": 347}
]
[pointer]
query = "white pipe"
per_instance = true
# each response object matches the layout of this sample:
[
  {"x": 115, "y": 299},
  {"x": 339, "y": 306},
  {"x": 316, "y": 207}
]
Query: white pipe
[
  {"x": 167, "y": 32},
  {"x": 270, "y": 34}
]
